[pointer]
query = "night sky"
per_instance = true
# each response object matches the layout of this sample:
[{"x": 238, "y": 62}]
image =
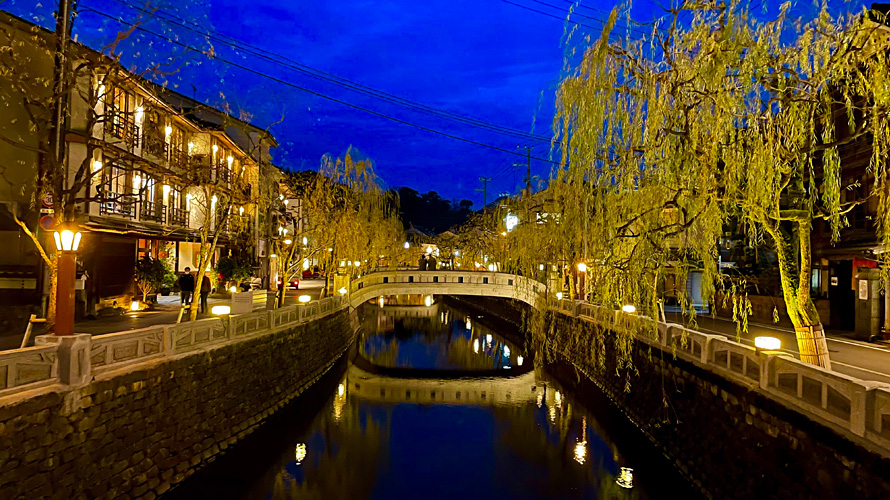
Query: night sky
[{"x": 497, "y": 61}]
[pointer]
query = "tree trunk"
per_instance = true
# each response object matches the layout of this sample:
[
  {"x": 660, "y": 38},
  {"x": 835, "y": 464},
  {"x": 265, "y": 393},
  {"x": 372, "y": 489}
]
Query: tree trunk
[{"x": 53, "y": 290}]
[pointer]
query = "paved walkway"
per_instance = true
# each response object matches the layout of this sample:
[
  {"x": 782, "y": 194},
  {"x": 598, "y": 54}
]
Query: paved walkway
[
  {"x": 166, "y": 311},
  {"x": 864, "y": 360}
]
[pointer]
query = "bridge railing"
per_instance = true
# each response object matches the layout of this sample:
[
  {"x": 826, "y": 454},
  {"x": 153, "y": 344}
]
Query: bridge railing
[
  {"x": 857, "y": 408},
  {"x": 34, "y": 367}
]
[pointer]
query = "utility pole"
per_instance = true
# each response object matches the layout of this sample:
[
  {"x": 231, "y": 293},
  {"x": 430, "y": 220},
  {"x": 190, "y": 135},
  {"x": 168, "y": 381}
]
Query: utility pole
[
  {"x": 60, "y": 105},
  {"x": 528, "y": 169},
  {"x": 485, "y": 181}
]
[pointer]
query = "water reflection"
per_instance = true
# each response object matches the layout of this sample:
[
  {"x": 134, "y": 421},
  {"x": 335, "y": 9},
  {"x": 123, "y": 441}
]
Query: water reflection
[
  {"x": 394, "y": 436},
  {"x": 434, "y": 337}
]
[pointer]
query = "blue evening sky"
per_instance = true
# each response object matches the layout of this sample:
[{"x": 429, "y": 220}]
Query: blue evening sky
[{"x": 497, "y": 61}]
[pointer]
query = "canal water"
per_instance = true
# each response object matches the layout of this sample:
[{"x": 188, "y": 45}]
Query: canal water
[{"x": 439, "y": 402}]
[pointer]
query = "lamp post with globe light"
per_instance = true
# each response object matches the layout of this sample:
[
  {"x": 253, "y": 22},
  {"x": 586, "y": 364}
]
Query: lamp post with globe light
[{"x": 67, "y": 239}]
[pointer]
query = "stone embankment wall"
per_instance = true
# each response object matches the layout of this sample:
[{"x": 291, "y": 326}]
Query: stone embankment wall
[
  {"x": 730, "y": 440},
  {"x": 136, "y": 431}
]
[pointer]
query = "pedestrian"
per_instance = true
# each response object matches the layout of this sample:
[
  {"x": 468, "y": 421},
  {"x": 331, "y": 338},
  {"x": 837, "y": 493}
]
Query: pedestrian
[
  {"x": 422, "y": 264},
  {"x": 186, "y": 287},
  {"x": 431, "y": 262},
  {"x": 205, "y": 291}
]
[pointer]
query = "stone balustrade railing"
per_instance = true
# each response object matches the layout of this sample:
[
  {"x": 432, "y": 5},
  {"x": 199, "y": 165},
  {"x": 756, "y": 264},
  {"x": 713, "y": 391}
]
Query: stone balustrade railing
[
  {"x": 76, "y": 358},
  {"x": 853, "y": 407}
]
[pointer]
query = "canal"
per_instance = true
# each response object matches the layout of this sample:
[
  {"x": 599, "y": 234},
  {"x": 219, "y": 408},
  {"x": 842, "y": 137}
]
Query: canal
[{"x": 440, "y": 402}]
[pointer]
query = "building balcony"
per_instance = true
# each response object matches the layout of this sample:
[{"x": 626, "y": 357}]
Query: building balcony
[
  {"x": 124, "y": 129},
  {"x": 151, "y": 211},
  {"x": 155, "y": 145},
  {"x": 118, "y": 205},
  {"x": 178, "y": 217}
]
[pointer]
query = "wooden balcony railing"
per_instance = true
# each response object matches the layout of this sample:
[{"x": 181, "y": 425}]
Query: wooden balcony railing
[
  {"x": 152, "y": 211},
  {"x": 119, "y": 205}
]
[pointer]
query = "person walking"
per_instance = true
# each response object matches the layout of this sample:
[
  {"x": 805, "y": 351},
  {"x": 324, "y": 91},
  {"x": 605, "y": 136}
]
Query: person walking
[
  {"x": 205, "y": 291},
  {"x": 186, "y": 287},
  {"x": 431, "y": 263},
  {"x": 422, "y": 264}
]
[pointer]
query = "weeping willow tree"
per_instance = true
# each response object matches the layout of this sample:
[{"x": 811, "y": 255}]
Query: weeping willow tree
[
  {"x": 666, "y": 140},
  {"x": 351, "y": 219}
]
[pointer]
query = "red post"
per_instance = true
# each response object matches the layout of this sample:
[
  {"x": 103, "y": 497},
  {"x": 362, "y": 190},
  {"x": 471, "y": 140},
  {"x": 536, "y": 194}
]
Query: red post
[{"x": 65, "y": 293}]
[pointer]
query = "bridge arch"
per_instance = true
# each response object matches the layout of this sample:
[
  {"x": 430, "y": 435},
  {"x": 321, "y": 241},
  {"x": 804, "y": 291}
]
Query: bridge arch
[{"x": 472, "y": 283}]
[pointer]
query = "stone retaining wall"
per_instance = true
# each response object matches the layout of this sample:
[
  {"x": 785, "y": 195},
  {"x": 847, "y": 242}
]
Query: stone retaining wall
[
  {"x": 136, "y": 431},
  {"x": 728, "y": 439}
]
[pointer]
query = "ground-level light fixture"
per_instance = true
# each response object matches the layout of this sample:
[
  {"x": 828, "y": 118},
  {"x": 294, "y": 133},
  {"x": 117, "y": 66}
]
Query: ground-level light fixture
[
  {"x": 629, "y": 308},
  {"x": 428, "y": 300},
  {"x": 407, "y": 245},
  {"x": 220, "y": 310},
  {"x": 134, "y": 306},
  {"x": 767, "y": 343},
  {"x": 519, "y": 360},
  {"x": 558, "y": 295},
  {"x": 233, "y": 289},
  {"x": 582, "y": 267},
  {"x": 304, "y": 299},
  {"x": 343, "y": 291}
]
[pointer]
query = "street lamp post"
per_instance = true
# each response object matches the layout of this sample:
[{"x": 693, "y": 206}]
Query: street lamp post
[{"x": 67, "y": 243}]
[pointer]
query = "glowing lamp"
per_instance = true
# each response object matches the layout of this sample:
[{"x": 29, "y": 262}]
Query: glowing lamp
[
  {"x": 558, "y": 295},
  {"x": 168, "y": 130},
  {"x": 541, "y": 267},
  {"x": 503, "y": 233},
  {"x": 428, "y": 301},
  {"x": 305, "y": 264},
  {"x": 357, "y": 263},
  {"x": 304, "y": 298},
  {"x": 582, "y": 267},
  {"x": 134, "y": 306},
  {"x": 519, "y": 360},
  {"x": 215, "y": 148},
  {"x": 407, "y": 245},
  {"x": 67, "y": 240},
  {"x": 230, "y": 160},
  {"x": 629, "y": 308},
  {"x": 288, "y": 241},
  {"x": 342, "y": 263},
  {"x": 343, "y": 291},
  {"x": 166, "y": 189},
  {"x": 305, "y": 240},
  {"x": 233, "y": 289},
  {"x": 97, "y": 166},
  {"x": 767, "y": 343},
  {"x": 488, "y": 338},
  {"x": 220, "y": 310},
  {"x": 240, "y": 210},
  {"x": 286, "y": 202}
]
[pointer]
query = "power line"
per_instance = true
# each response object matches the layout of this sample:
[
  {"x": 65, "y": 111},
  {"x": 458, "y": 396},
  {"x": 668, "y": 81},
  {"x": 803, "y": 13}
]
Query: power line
[
  {"x": 309, "y": 91},
  {"x": 286, "y": 62}
]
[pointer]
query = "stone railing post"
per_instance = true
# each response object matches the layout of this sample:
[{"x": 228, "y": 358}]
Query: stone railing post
[{"x": 74, "y": 356}]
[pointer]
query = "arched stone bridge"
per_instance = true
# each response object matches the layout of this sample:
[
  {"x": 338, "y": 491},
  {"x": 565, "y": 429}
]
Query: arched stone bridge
[{"x": 473, "y": 283}]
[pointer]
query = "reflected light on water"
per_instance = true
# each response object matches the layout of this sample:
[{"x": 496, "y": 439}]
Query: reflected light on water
[
  {"x": 301, "y": 453},
  {"x": 488, "y": 339},
  {"x": 540, "y": 400},
  {"x": 625, "y": 477},
  {"x": 519, "y": 360},
  {"x": 476, "y": 346},
  {"x": 553, "y": 414},
  {"x": 506, "y": 351},
  {"x": 581, "y": 452},
  {"x": 341, "y": 390},
  {"x": 557, "y": 399}
]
